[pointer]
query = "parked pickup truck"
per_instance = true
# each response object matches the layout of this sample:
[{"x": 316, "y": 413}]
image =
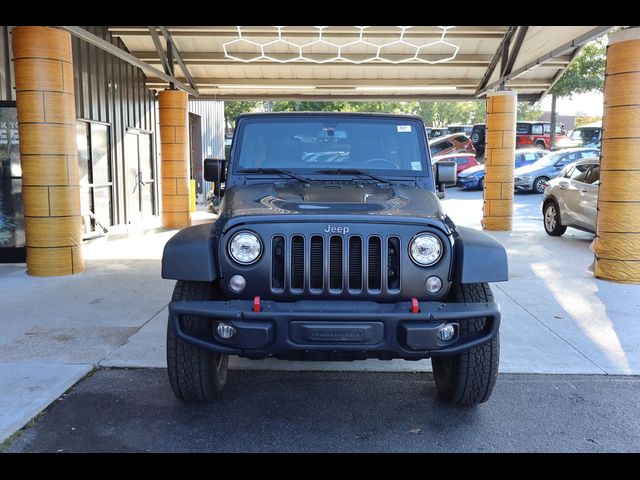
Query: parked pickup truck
[{"x": 332, "y": 244}]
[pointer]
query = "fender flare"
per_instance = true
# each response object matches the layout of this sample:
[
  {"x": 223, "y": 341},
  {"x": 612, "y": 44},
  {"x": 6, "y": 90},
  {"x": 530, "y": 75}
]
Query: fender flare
[
  {"x": 478, "y": 257},
  {"x": 189, "y": 255}
]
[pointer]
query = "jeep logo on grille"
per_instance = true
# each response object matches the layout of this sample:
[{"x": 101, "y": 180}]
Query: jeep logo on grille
[{"x": 333, "y": 229}]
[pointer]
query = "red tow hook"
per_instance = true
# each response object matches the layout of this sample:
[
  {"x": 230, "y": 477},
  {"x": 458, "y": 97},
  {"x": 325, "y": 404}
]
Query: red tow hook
[
  {"x": 256, "y": 303},
  {"x": 414, "y": 306}
]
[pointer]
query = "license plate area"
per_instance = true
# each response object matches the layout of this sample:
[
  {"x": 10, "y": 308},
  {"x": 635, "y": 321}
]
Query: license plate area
[{"x": 324, "y": 333}]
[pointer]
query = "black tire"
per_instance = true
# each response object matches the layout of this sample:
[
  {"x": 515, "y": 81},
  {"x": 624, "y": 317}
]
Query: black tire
[
  {"x": 541, "y": 146},
  {"x": 538, "y": 184},
  {"x": 481, "y": 183},
  {"x": 195, "y": 374},
  {"x": 551, "y": 219},
  {"x": 468, "y": 378}
]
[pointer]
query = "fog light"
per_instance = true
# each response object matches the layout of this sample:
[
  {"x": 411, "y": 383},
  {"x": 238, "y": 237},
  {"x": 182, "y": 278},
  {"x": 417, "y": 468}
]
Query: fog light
[
  {"x": 433, "y": 284},
  {"x": 445, "y": 333},
  {"x": 237, "y": 283},
  {"x": 225, "y": 330}
]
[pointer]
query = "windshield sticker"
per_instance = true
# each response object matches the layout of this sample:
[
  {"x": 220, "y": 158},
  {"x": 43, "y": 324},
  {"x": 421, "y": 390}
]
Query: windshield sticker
[
  {"x": 416, "y": 166},
  {"x": 404, "y": 128}
]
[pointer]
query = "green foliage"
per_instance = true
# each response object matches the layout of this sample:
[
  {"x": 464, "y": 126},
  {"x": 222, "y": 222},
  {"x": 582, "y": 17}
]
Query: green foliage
[
  {"x": 528, "y": 112},
  {"x": 587, "y": 119},
  {"x": 233, "y": 109},
  {"x": 585, "y": 73}
]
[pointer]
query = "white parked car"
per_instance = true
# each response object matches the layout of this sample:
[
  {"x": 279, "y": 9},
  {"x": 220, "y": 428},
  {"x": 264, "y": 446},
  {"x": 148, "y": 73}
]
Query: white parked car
[{"x": 570, "y": 199}]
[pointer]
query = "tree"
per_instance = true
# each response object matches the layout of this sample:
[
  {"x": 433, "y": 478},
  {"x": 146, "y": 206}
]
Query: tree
[
  {"x": 233, "y": 109},
  {"x": 528, "y": 112},
  {"x": 584, "y": 74}
]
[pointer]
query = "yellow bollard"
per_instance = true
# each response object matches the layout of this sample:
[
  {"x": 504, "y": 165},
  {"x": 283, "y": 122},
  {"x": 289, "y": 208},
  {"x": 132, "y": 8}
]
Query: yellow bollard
[{"x": 192, "y": 195}]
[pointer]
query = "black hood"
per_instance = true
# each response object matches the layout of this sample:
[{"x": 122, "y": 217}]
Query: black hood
[{"x": 331, "y": 198}]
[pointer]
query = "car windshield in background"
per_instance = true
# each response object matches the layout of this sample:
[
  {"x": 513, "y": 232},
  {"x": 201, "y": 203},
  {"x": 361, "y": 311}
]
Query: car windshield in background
[
  {"x": 547, "y": 160},
  {"x": 313, "y": 144}
]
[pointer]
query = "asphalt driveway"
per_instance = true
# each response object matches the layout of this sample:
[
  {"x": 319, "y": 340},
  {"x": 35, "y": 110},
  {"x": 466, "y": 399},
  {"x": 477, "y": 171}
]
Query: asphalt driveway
[{"x": 133, "y": 410}]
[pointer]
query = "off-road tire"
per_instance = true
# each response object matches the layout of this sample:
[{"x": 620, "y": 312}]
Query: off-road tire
[
  {"x": 195, "y": 374},
  {"x": 468, "y": 378},
  {"x": 540, "y": 145}
]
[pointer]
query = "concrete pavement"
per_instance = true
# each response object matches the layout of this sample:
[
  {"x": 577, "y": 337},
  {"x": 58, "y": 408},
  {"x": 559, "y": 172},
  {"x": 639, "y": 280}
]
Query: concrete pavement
[{"x": 556, "y": 317}]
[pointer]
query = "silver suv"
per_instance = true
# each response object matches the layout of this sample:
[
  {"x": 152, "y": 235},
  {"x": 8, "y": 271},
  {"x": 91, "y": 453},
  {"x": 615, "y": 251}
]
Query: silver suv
[
  {"x": 571, "y": 199},
  {"x": 534, "y": 177}
]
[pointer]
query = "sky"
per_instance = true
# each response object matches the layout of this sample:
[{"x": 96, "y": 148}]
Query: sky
[{"x": 583, "y": 104}]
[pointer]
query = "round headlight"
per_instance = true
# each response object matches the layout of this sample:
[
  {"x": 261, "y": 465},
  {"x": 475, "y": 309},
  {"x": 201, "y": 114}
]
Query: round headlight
[
  {"x": 425, "y": 249},
  {"x": 245, "y": 247}
]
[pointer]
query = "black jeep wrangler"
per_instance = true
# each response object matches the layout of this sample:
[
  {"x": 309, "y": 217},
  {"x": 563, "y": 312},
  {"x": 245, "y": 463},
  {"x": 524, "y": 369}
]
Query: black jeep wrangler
[{"x": 331, "y": 244}]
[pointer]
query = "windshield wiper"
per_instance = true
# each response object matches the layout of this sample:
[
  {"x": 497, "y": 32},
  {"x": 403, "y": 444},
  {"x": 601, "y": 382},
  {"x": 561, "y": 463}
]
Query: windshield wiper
[
  {"x": 353, "y": 171},
  {"x": 274, "y": 171}
]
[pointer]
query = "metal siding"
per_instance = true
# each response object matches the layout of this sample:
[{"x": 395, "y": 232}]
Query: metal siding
[
  {"x": 7, "y": 91},
  {"x": 212, "y": 113}
]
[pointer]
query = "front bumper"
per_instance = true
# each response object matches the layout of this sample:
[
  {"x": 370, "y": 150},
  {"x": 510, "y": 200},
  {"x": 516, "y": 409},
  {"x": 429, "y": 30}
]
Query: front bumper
[
  {"x": 524, "y": 184},
  {"x": 342, "y": 330},
  {"x": 468, "y": 183}
]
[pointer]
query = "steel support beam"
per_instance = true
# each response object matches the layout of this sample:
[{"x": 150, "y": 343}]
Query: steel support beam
[
  {"x": 159, "y": 50},
  {"x": 92, "y": 39},
  {"x": 176, "y": 52},
  {"x": 577, "y": 42},
  {"x": 496, "y": 58},
  {"x": 515, "y": 51}
]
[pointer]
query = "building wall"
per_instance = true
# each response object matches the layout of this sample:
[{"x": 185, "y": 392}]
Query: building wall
[
  {"x": 212, "y": 113},
  {"x": 107, "y": 90},
  {"x": 113, "y": 91}
]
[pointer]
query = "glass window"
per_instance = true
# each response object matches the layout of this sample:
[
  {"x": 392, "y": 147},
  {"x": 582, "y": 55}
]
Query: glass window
[
  {"x": 547, "y": 128},
  {"x": 590, "y": 154},
  {"x": 531, "y": 157},
  {"x": 579, "y": 172},
  {"x": 440, "y": 146},
  {"x": 325, "y": 142},
  {"x": 461, "y": 139},
  {"x": 594, "y": 175},
  {"x": 523, "y": 128},
  {"x": 100, "y": 154},
  {"x": 462, "y": 160},
  {"x": 536, "y": 129}
]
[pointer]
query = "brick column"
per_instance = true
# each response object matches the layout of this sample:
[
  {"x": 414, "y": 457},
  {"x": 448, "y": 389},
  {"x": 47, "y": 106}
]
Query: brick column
[
  {"x": 174, "y": 139},
  {"x": 617, "y": 246},
  {"x": 48, "y": 151},
  {"x": 502, "y": 110}
]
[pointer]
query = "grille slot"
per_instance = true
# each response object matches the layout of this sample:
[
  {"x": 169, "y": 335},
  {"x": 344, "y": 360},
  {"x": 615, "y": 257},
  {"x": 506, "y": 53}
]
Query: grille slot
[
  {"x": 393, "y": 262},
  {"x": 277, "y": 264},
  {"x": 297, "y": 263},
  {"x": 355, "y": 263},
  {"x": 317, "y": 263},
  {"x": 335, "y": 263},
  {"x": 374, "y": 264}
]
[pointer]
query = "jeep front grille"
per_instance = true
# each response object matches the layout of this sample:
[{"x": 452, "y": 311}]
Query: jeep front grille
[{"x": 335, "y": 264}]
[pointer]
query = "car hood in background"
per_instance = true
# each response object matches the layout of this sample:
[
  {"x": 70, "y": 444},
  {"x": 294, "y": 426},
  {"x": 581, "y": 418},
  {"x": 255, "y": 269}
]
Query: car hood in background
[
  {"x": 471, "y": 170},
  {"x": 528, "y": 168}
]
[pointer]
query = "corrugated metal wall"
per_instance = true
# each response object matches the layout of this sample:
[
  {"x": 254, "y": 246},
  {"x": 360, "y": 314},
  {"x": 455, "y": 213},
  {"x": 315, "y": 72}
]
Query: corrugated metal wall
[
  {"x": 108, "y": 90},
  {"x": 212, "y": 113},
  {"x": 113, "y": 91},
  {"x": 6, "y": 71}
]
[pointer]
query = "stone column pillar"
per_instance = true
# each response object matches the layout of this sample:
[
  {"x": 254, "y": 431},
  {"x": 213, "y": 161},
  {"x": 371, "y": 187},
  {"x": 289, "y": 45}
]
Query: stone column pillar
[
  {"x": 48, "y": 151},
  {"x": 502, "y": 110},
  {"x": 617, "y": 246},
  {"x": 174, "y": 139}
]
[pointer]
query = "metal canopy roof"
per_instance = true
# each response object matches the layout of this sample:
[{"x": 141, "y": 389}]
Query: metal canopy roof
[{"x": 381, "y": 62}]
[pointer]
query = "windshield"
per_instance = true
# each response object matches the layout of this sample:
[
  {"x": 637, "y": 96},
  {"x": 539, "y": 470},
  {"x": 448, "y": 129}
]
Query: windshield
[
  {"x": 310, "y": 144},
  {"x": 583, "y": 135},
  {"x": 547, "y": 160}
]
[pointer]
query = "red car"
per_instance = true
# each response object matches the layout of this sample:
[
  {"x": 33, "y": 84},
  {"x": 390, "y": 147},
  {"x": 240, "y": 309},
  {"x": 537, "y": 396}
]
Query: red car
[
  {"x": 537, "y": 135},
  {"x": 463, "y": 160}
]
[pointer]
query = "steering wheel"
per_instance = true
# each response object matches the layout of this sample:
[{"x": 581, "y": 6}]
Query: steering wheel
[{"x": 386, "y": 162}]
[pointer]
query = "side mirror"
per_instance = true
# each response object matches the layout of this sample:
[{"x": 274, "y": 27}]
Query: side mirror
[
  {"x": 446, "y": 176},
  {"x": 215, "y": 171}
]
